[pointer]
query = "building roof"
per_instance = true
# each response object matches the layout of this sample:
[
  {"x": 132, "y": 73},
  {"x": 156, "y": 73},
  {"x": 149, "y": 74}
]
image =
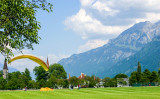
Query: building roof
[
  {"x": 82, "y": 76},
  {"x": 5, "y": 64}
]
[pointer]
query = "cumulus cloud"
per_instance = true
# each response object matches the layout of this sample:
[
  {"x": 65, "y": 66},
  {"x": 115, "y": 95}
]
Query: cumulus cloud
[
  {"x": 99, "y": 18},
  {"x": 106, "y": 19},
  {"x": 55, "y": 58},
  {"x": 91, "y": 44},
  {"x": 89, "y": 28}
]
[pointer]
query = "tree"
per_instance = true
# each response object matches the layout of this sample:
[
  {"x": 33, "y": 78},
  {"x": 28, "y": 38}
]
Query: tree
[
  {"x": 18, "y": 24},
  {"x": 106, "y": 82},
  {"x": 121, "y": 76},
  {"x": 13, "y": 84},
  {"x": 24, "y": 78},
  {"x": 58, "y": 71},
  {"x": 14, "y": 75},
  {"x": 144, "y": 79},
  {"x": 139, "y": 72},
  {"x": 60, "y": 82},
  {"x": 147, "y": 73},
  {"x": 81, "y": 82},
  {"x": 159, "y": 72},
  {"x": 91, "y": 81},
  {"x": 1, "y": 73},
  {"x": 73, "y": 81},
  {"x": 133, "y": 78},
  {"x": 40, "y": 73},
  {"x": 121, "y": 81},
  {"x": 23, "y": 81},
  {"x": 66, "y": 83},
  {"x": 41, "y": 83},
  {"x": 154, "y": 76},
  {"x": 3, "y": 83},
  {"x": 113, "y": 82},
  {"x": 52, "y": 81},
  {"x": 32, "y": 84},
  {"x": 27, "y": 74}
]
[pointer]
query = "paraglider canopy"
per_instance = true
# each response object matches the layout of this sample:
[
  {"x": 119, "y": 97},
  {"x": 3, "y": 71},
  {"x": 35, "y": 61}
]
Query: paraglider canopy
[{"x": 33, "y": 58}]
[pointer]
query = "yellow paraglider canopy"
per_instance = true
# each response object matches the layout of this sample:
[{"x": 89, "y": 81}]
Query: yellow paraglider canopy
[
  {"x": 33, "y": 58},
  {"x": 46, "y": 89}
]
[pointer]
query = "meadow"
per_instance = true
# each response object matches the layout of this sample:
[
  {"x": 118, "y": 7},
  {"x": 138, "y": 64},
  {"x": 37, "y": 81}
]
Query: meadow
[{"x": 86, "y": 93}]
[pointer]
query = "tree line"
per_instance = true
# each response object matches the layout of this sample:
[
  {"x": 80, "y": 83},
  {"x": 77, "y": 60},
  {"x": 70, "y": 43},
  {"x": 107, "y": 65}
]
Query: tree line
[
  {"x": 54, "y": 78},
  {"x": 57, "y": 77},
  {"x": 136, "y": 77}
]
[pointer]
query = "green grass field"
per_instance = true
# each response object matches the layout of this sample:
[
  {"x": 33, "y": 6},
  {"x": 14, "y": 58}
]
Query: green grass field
[{"x": 86, "y": 93}]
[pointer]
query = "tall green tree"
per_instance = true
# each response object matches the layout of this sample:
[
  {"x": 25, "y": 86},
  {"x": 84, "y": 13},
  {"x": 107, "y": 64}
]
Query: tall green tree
[
  {"x": 18, "y": 24},
  {"x": 58, "y": 71},
  {"x": 23, "y": 81},
  {"x": 133, "y": 78},
  {"x": 40, "y": 73},
  {"x": 147, "y": 73},
  {"x": 27, "y": 74},
  {"x": 154, "y": 76},
  {"x": 139, "y": 72}
]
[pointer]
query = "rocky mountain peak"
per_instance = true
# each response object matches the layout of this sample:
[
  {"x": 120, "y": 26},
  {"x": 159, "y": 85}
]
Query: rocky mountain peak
[{"x": 138, "y": 35}]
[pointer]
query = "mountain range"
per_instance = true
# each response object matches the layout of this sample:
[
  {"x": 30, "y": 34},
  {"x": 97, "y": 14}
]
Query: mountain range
[{"x": 120, "y": 55}]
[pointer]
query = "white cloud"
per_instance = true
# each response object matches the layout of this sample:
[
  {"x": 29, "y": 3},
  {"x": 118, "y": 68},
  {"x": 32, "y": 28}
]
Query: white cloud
[
  {"x": 89, "y": 27},
  {"x": 91, "y": 44},
  {"x": 103, "y": 7},
  {"x": 153, "y": 17},
  {"x": 110, "y": 17},
  {"x": 55, "y": 58},
  {"x": 106, "y": 19},
  {"x": 86, "y": 2}
]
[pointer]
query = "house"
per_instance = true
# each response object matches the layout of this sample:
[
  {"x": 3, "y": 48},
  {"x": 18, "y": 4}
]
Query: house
[
  {"x": 82, "y": 76},
  {"x": 86, "y": 83},
  {"x": 100, "y": 84}
]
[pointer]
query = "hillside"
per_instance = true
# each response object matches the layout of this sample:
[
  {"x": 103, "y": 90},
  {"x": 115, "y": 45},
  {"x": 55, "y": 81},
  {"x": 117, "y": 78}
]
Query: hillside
[
  {"x": 149, "y": 57},
  {"x": 100, "y": 60}
]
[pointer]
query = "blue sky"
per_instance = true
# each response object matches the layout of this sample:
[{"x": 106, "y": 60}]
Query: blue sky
[{"x": 77, "y": 26}]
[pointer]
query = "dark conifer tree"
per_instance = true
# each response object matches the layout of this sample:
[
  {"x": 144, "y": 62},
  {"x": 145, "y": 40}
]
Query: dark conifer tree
[{"x": 139, "y": 72}]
